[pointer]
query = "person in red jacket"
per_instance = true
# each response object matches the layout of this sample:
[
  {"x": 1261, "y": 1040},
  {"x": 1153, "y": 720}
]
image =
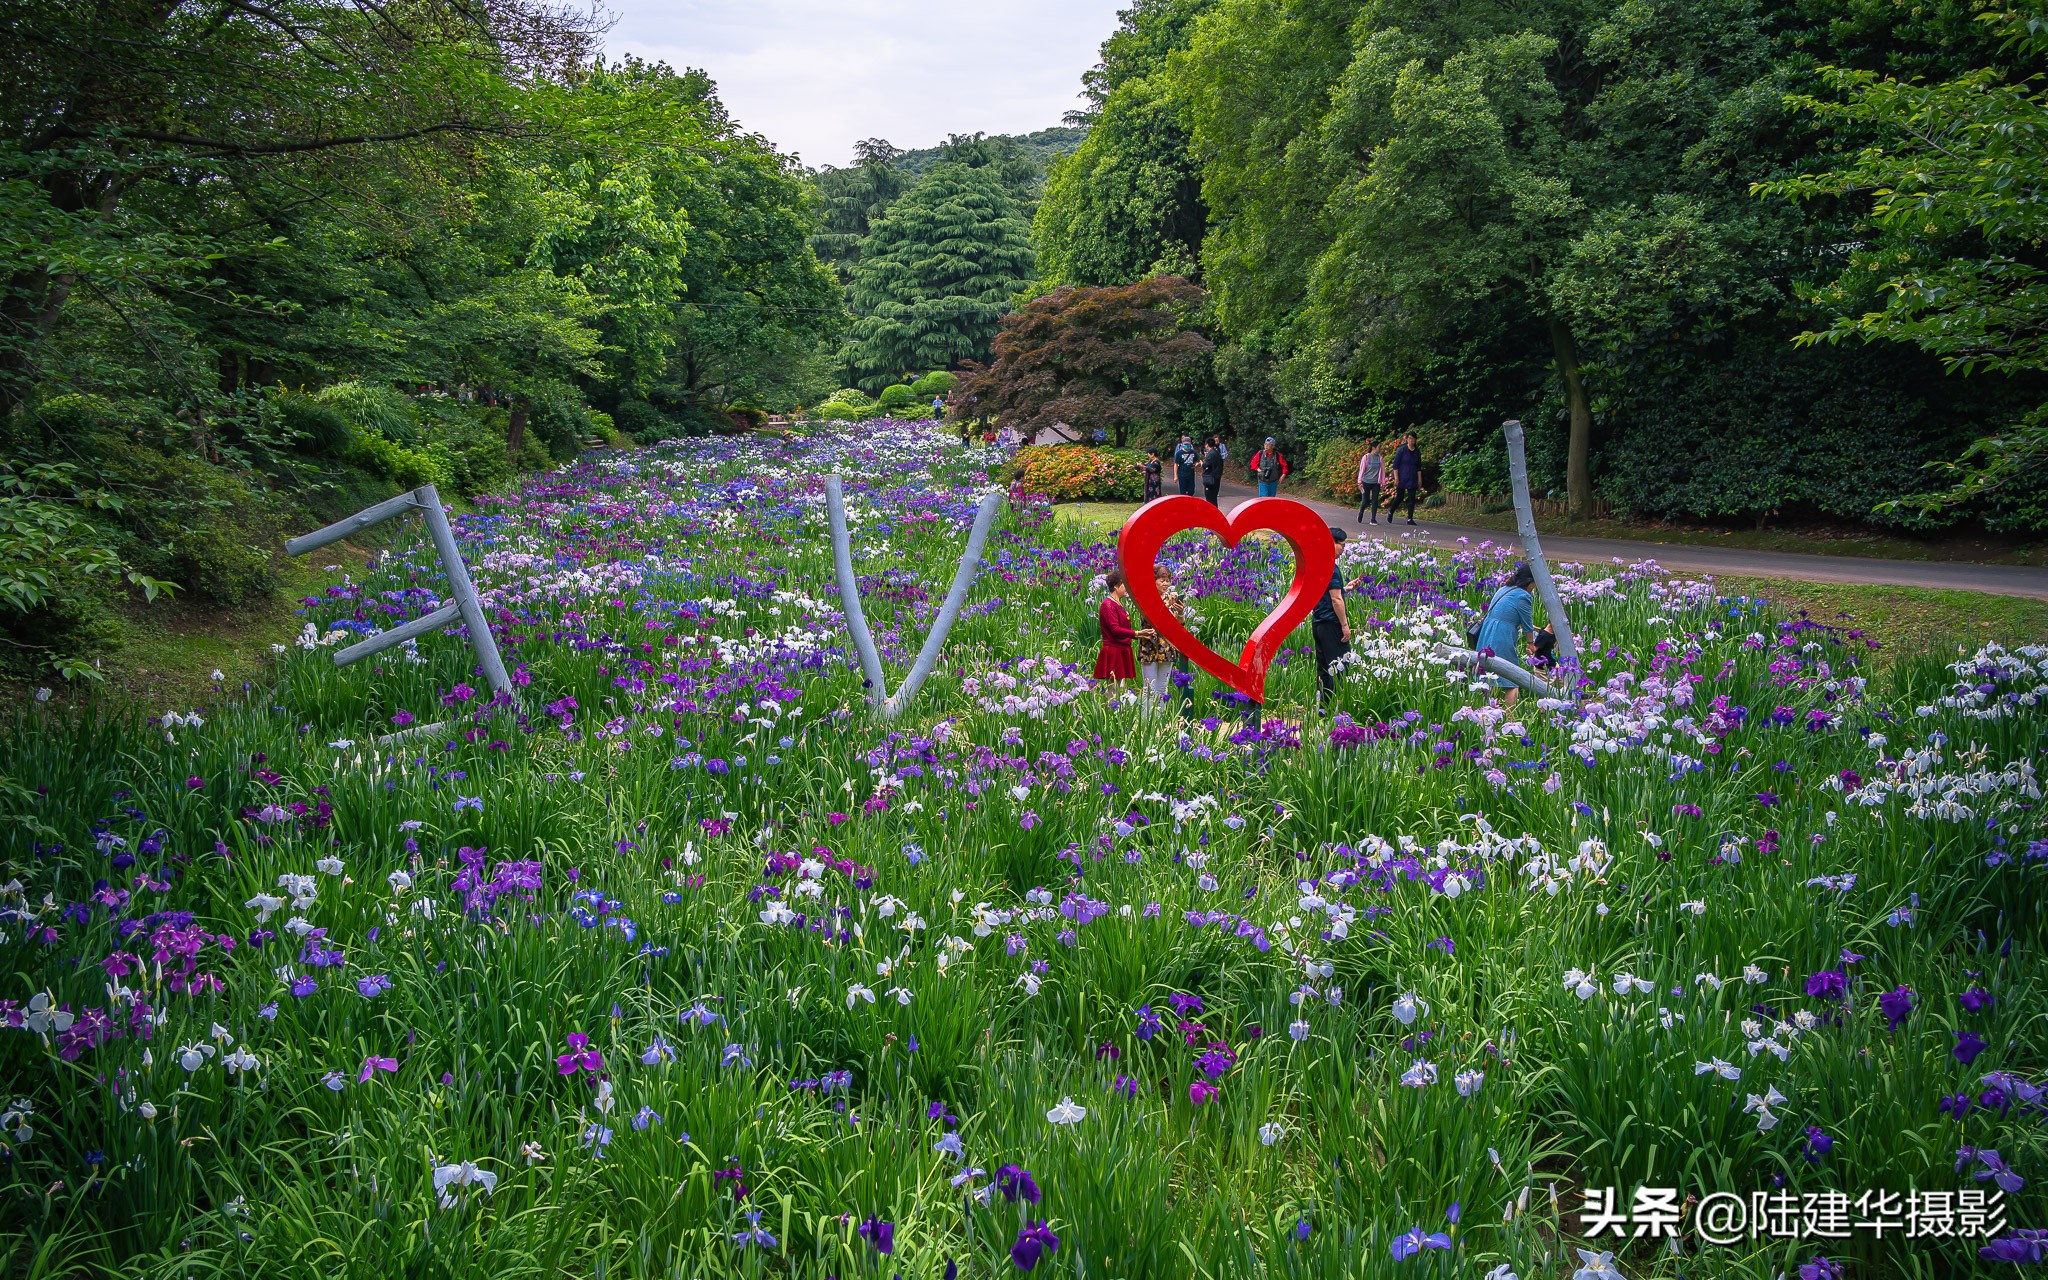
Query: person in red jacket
[
  {"x": 1269, "y": 469},
  {"x": 1115, "y": 662}
]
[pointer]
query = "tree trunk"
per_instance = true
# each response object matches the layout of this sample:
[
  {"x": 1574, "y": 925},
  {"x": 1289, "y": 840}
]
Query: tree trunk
[
  {"x": 1578, "y": 465},
  {"x": 515, "y": 434}
]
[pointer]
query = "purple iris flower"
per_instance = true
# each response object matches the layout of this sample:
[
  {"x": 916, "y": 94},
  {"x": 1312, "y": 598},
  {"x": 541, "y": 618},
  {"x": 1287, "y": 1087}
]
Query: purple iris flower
[
  {"x": 1412, "y": 1242},
  {"x": 1895, "y": 1005},
  {"x": 880, "y": 1234},
  {"x": 1016, "y": 1184},
  {"x": 1828, "y": 984},
  {"x": 1975, "y": 1000},
  {"x": 1968, "y": 1045},
  {"x": 1034, "y": 1241}
]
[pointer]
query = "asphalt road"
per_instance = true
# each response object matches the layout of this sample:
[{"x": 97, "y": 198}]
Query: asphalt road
[{"x": 1999, "y": 579}]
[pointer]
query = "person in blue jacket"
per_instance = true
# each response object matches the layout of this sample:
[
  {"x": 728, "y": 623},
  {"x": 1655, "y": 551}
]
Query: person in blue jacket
[{"x": 1510, "y": 615}]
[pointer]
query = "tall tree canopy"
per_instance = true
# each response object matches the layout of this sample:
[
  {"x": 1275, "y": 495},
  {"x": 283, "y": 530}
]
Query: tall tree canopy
[
  {"x": 937, "y": 274},
  {"x": 1441, "y": 215},
  {"x": 1127, "y": 203}
]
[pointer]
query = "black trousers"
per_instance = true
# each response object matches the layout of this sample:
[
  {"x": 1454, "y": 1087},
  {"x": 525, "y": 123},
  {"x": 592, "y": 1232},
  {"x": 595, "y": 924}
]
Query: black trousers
[
  {"x": 1405, "y": 491},
  {"x": 1330, "y": 646},
  {"x": 1187, "y": 481},
  {"x": 1209, "y": 492},
  {"x": 1369, "y": 500}
]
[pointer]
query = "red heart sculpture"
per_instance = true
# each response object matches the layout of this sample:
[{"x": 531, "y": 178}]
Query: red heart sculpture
[{"x": 1315, "y": 556}]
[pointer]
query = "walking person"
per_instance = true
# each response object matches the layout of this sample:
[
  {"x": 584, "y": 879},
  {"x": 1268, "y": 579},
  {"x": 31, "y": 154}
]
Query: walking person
[
  {"x": 1407, "y": 467},
  {"x": 939, "y": 408},
  {"x": 1185, "y": 459},
  {"x": 1154, "y": 470},
  {"x": 1212, "y": 471},
  {"x": 1155, "y": 655},
  {"x": 1270, "y": 467},
  {"x": 1510, "y": 615},
  {"x": 1331, "y": 627},
  {"x": 1113, "y": 662},
  {"x": 1369, "y": 469}
]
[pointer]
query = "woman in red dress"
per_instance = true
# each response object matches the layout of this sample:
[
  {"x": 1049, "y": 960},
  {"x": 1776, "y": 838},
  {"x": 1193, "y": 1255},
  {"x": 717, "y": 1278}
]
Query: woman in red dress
[{"x": 1115, "y": 661}]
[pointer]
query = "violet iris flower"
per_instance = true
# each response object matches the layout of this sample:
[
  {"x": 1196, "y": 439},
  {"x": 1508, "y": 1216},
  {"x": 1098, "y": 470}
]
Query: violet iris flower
[{"x": 1034, "y": 1241}]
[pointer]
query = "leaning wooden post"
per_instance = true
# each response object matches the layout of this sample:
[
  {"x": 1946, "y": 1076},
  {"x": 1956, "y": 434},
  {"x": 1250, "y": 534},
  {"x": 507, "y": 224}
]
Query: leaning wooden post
[
  {"x": 889, "y": 706},
  {"x": 463, "y": 604},
  {"x": 1525, "y": 524}
]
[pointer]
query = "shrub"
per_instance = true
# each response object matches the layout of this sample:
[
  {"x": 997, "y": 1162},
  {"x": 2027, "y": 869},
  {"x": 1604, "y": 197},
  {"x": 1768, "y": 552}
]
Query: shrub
[
  {"x": 407, "y": 468},
  {"x": 1333, "y": 471},
  {"x": 468, "y": 444},
  {"x": 318, "y": 428},
  {"x": 374, "y": 410},
  {"x": 894, "y": 398},
  {"x": 936, "y": 383},
  {"x": 1080, "y": 473},
  {"x": 205, "y": 527},
  {"x": 642, "y": 421}
]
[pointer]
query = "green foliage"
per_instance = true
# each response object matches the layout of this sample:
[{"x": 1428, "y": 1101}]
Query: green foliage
[
  {"x": 317, "y": 428},
  {"x": 937, "y": 274},
  {"x": 896, "y": 396},
  {"x": 373, "y": 410},
  {"x": 1956, "y": 264},
  {"x": 936, "y": 383}
]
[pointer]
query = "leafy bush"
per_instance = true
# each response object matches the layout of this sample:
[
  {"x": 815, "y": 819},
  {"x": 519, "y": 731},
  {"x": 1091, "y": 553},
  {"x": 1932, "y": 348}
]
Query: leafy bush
[
  {"x": 1333, "y": 471},
  {"x": 894, "y": 398},
  {"x": 642, "y": 421},
  {"x": 936, "y": 383},
  {"x": 1080, "y": 473},
  {"x": 319, "y": 429},
  {"x": 407, "y": 468},
  {"x": 374, "y": 410},
  {"x": 468, "y": 444},
  {"x": 1481, "y": 470}
]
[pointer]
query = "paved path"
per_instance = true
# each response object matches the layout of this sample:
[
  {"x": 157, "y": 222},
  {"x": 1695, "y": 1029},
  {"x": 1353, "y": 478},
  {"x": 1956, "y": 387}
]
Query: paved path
[{"x": 1999, "y": 579}]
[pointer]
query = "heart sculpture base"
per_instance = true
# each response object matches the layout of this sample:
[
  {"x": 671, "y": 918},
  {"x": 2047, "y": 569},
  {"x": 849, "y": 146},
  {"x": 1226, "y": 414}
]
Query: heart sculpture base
[{"x": 1315, "y": 556}]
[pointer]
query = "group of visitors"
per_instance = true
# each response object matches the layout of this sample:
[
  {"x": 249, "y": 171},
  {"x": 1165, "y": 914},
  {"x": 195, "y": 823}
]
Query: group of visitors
[
  {"x": 1155, "y": 656},
  {"x": 1510, "y": 619},
  {"x": 1188, "y": 458},
  {"x": 1397, "y": 475}
]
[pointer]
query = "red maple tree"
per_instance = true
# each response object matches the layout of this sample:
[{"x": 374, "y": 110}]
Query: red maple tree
[{"x": 1088, "y": 356}]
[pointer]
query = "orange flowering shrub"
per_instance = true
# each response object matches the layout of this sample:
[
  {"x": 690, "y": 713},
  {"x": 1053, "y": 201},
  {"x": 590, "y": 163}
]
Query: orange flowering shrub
[{"x": 1080, "y": 473}]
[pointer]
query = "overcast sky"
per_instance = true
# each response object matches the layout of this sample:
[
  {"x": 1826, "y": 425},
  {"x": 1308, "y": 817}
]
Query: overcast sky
[{"x": 815, "y": 76}]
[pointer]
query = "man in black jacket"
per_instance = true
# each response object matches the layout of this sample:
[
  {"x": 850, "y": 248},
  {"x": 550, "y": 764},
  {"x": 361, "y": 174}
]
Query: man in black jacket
[
  {"x": 1212, "y": 471},
  {"x": 1407, "y": 476}
]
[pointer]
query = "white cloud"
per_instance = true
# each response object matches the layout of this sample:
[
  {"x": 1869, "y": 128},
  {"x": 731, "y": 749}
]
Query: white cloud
[{"x": 815, "y": 76}]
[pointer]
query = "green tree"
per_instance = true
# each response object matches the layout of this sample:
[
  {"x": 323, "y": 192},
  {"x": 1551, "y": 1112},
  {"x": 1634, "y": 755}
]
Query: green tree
[
  {"x": 936, "y": 275},
  {"x": 1957, "y": 263},
  {"x": 854, "y": 199},
  {"x": 1380, "y": 171},
  {"x": 1128, "y": 202}
]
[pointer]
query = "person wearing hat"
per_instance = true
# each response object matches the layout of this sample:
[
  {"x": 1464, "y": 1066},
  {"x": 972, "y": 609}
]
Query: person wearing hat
[
  {"x": 1269, "y": 469},
  {"x": 1185, "y": 458},
  {"x": 1331, "y": 627}
]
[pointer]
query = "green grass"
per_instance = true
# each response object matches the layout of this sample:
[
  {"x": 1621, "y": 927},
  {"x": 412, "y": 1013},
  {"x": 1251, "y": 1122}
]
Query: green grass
[{"x": 1907, "y": 621}]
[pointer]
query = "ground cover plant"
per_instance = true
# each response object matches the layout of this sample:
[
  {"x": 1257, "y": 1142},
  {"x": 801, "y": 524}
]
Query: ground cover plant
[{"x": 680, "y": 964}]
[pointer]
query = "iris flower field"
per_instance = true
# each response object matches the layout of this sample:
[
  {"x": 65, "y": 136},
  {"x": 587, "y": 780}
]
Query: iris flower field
[{"x": 679, "y": 963}]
